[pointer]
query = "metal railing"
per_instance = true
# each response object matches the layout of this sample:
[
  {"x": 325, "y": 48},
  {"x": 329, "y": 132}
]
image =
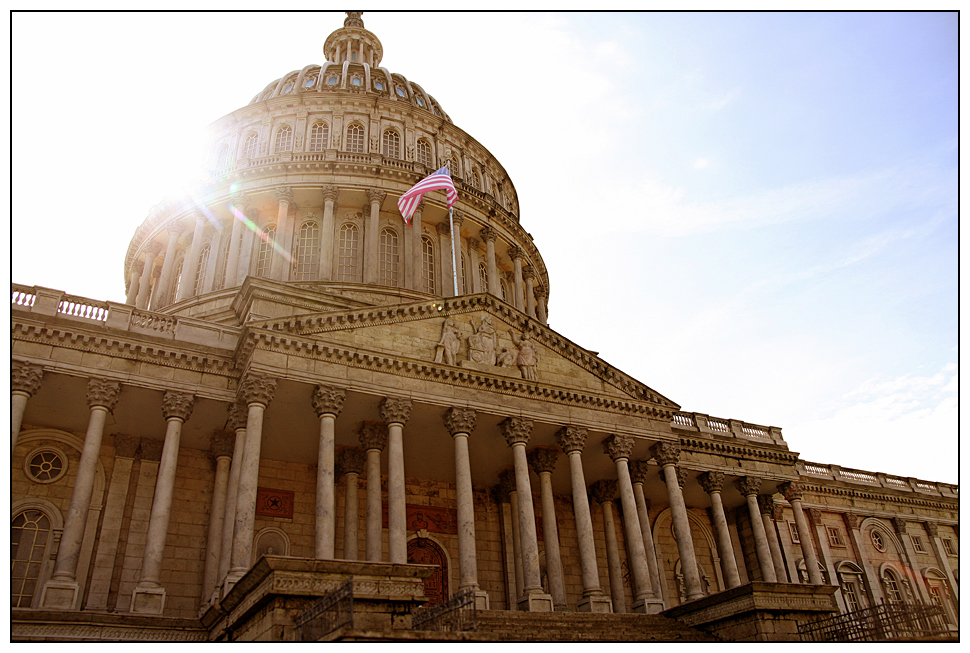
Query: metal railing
[
  {"x": 881, "y": 623},
  {"x": 332, "y": 611},
  {"x": 457, "y": 614}
]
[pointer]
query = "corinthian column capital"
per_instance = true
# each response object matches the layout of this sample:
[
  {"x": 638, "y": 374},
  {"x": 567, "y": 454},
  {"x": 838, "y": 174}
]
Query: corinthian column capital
[
  {"x": 350, "y": 461},
  {"x": 284, "y": 194},
  {"x": 666, "y": 453},
  {"x": 238, "y": 414},
  {"x": 749, "y": 485},
  {"x": 102, "y": 392},
  {"x": 25, "y": 377},
  {"x": 239, "y": 201},
  {"x": 543, "y": 459},
  {"x": 712, "y": 481},
  {"x": 603, "y": 491},
  {"x": 515, "y": 252},
  {"x": 375, "y": 196},
  {"x": 639, "y": 470},
  {"x": 516, "y": 430},
  {"x": 572, "y": 438},
  {"x": 257, "y": 389},
  {"x": 460, "y": 420},
  {"x": 395, "y": 410},
  {"x": 328, "y": 400},
  {"x": 330, "y": 193},
  {"x": 618, "y": 447},
  {"x": 792, "y": 491},
  {"x": 373, "y": 435},
  {"x": 488, "y": 234},
  {"x": 177, "y": 405}
]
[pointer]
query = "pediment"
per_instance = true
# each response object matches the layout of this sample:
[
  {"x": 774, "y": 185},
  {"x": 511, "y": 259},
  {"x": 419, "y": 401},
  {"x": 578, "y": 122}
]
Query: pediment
[{"x": 454, "y": 334}]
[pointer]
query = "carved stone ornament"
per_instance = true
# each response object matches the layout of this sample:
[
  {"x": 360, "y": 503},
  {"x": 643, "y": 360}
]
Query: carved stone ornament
[
  {"x": 460, "y": 420},
  {"x": 222, "y": 444},
  {"x": 639, "y": 470},
  {"x": 488, "y": 234},
  {"x": 483, "y": 343},
  {"x": 666, "y": 453},
  {"x": 126, "y": 446},
  {"x": 603, "y": 491},
  {"x": 443, "y": 228},
  {"x": 284, "y": 194},
  {"x": 373, "y": 435},
  {"x": 792, "y": 491},
  {"x": 932, "y": 528},
  {"x": 257, "y": 389},
  {"x": 395, "y": 410},
  {"x": 851, "y": 520},
  {"x": 516, "y": 430},
  {"x": 712, "y": 481},
  {"x": 528, "y": 273},
  {"x": 506, "y": 480},
  {"x": 749, "y": 485},
  {"x": 25, "y": 377},
  {"x": 328, "y": 400},
  {"x": 515, "y": 252},
  {"x": 177, "y": 405},
  {"x": 330, "y": 193},
  {"x": 527, "y": 357},
  {"x": 618, "y": 447},
  {"x": 543, "y": 459},
  {"x": 375, "y": 196},
  {"x": 900, "y": 525},
  {"x": 572, "y": 438},
  {"x": 681, "y": 477},
  {"x": 815, "y": 516},
  {"x": 238, "y": 416},
  {"x": 446, "y": 351},
  {"x": 102, "y": 392},
  {"x": 350, "y": 461},
  {"x": 766, "y": 505},
  {"x": 540, "y": 293}
]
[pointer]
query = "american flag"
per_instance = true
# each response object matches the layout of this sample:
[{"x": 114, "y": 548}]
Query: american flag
[{"x": 437, "y": 180}]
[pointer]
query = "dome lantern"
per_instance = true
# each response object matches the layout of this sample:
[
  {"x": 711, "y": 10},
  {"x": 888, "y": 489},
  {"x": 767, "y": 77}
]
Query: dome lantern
[{"x": 353, "y": 43}]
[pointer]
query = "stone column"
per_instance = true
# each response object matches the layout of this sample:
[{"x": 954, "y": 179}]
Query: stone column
[
  {"x": 132, "y": 292},
  {"x": 145, "y": 283},
  {"x": 25, "y": 381},
  {"x": 239, "y": 203},
  {"x": 638, "y": 475},
  {"x": 712, "y": 482},
  {"x": 327, "y": 232},
  {"x": 351, "y": 465},
  {"x": 256, "y": 391},
  {"x": 444, "y": 246},
  {"x": 455, "y": 240},
  {"x": 530, "y": 300},
  {"x": 164, "y": 282},
  {"x": 541, "y": 295},
  {"x": 237, "y": 424},
  {"x": 221, "y": 446},
  {"x": 516, "y": 431},
  {"x": 281, "y": 265},
  {"x": 934, "y": 532},
  {"x": 460, "y": 422},
  {"x": 572, "y": 439},
  {"x": 61, "y": 591},
  {"x": 372, "y": 231},
  {"x": 793, "y": 494},
  {"x": 373, "y": 439},
  {"x": 395, "y": 411},
  {"x": 619, "y": 448},
  {"x": 494, "y": 287},
  {"x": 502, "y": 493},
  {"x": 768, "y": 517},
  {"x": 473, "y": 263},
  {"x": 543, "y": 462},
  {"x": 413, "y": 271},
  {"x": 149, "y": 596},
  {"x": 518, "y": 292},
  {"x": 667, "y": 454},
  {"x": 191, "y": 267},
  {"x": 327, "y": 402},
  {"x": 749, "y": 487},
  {"x": 603, "y": 493}
]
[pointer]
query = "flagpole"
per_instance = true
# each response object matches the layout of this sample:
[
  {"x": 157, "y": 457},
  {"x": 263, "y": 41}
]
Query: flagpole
[{"x": 454, "y": 265}]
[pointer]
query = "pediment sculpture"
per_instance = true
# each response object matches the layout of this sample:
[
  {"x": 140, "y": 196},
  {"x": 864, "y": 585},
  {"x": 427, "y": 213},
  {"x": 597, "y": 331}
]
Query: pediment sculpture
[{"x": 484, "y": 351}]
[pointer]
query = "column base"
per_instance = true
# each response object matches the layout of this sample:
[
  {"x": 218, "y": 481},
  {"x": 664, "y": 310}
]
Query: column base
[
  {"x": 59, "y": 595},
  {"x": 536, "y": 602},
  {"x": 481, "y": 600},
  {"x": 148, "y": 600},
  {"x": 595, "y": 603},
  {"x": 647, "y": 606}
]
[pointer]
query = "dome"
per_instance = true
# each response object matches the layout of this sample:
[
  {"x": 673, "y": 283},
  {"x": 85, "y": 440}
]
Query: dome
[{"x": 302, "y": 187}]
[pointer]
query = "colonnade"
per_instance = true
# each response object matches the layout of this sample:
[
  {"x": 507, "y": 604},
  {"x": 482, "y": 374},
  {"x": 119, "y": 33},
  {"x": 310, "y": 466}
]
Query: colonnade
[{"x": 234, "y": 257}]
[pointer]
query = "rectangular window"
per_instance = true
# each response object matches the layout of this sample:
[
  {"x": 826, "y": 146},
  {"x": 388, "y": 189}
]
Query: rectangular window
[
  {"x": 794, "y": 533},
  {"x": 918, "y": 544},
  {"x": 835, "y": 536},
  {"x": 948, "y": 546},
  {"x": 850, "y": 596}
]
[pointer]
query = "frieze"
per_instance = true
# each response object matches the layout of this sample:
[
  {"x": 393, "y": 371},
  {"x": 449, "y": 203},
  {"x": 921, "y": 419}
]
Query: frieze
[
  {"x": 742, "y": 450},
  {"x": 869, "y": 494}
]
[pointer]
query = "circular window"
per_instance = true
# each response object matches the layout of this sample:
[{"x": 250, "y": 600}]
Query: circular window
[
  {"x": 877, "y": 540},
  {"x": 400, "y": 91},
  {"x": 378, "y": 86},
  {"x": 331, "y": 81},
  {"x": 45, "y": 465}
]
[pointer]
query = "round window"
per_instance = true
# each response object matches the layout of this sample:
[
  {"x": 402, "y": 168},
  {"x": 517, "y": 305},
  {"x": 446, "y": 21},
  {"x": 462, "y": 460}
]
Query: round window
[
  {"x": 877, "y": 540},
  {"x": 45, "y": 465}
]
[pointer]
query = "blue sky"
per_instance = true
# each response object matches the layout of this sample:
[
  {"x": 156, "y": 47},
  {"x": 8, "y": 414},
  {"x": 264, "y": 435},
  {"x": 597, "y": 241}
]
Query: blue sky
[{"x": 754, "y": 214}]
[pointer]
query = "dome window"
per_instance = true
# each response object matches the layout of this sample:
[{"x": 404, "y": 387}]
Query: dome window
[
  {"x": 288, "y": 88},
  {"x": 420, "y": 101},
  {"x": 355, "y": 81},
  {"x": 284, "y": 139},
  {"x": 310, "y": 81},
  {"x": 391, "y": 144},
  {"x": 379, "y": 86},
  {"x": 331, "y": 81},
  {"x": 400, "y": 91}
]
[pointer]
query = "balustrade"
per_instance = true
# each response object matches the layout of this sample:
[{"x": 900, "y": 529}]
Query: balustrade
[
  {"x": 153, "y": 321},
  {"x": 684, "y": 419},
  {"x": 717, "y": 424},
  {"x": 22, "y": 296},
  {"x": 83, "y": 307}
]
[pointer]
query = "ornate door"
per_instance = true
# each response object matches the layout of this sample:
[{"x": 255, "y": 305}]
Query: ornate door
[{"x": 422, "y": 551}]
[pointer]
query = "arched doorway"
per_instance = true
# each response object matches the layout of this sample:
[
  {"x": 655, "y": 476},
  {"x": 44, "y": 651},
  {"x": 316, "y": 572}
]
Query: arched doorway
[{"x": 422, "y": 551}]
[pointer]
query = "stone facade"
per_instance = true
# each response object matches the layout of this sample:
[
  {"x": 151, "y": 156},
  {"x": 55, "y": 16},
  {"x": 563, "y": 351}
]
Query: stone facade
[{"x": 276, "y": 365}]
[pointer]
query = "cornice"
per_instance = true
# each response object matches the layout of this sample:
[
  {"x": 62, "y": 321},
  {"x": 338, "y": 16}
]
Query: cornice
[
  {"x": 873, "y": 494},
  {"x": 702, "y": 445}
]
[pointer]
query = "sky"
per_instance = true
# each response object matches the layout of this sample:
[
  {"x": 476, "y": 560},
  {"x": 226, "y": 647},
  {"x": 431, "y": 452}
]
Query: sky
[{"x": 755, "y": 214}]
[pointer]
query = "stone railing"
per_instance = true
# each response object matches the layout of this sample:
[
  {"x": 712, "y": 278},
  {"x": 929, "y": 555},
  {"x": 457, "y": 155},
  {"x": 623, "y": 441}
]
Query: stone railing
[
  {"x": 874, "y": 479},
  {"x": 702, "y": 423},
  {"x": 45, "y": 302}
]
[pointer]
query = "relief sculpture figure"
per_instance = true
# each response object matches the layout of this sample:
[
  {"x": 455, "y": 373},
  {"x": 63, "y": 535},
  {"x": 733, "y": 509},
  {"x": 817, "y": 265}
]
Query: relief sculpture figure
[
  {"x": 483, "y": 343},
  {"x": 527, "y": 358},
  {"x": 450, "y": 342}
]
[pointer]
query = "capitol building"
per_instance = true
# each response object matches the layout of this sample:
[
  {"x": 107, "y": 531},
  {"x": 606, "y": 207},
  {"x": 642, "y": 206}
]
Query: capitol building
[{"x": 302, "y": 395}]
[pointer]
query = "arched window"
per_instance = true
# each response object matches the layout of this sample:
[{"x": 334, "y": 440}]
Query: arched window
[
  {"x": 505, "y": 290},
  {"x": 453, "y": 168},
  {"x": 225, "y": 157},
  {"x": 428, "y": 265},
  {"x": 308, "y": 252},
  {"x": 483, "y": 276},
  {"x": 391, "y": 144},
  {"x": 30, "y": 531},
  {"x": 319, "y": 135},
  {"x": 249, "y": 149},
  {"x": 177, "y": 281},
  {"x": 264, "y": 255},
  {"x": 475, "y": 179},
  {"x": 221, "y": 281},
  {"x": 890, "y": 581},
  {"x": 390, "y": 264},
  {"x": 853, "y": 591},
  {"x": 423, "y": 152},
  {"x": 348, "y": 252},
  {"x": 284, "y": 139},
  {"x": 200, "y": 273},
  {"x": 355, "y": 139}
]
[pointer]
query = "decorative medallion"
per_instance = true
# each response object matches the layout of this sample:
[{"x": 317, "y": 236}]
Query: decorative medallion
[{"x": 274, "y": 503}]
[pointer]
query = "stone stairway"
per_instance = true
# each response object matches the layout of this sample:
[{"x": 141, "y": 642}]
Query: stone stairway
[{"x": 510, "y": 626}]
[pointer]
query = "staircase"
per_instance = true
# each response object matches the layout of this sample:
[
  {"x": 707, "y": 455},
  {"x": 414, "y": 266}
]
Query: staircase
[{"x": 510, "y": 626}]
